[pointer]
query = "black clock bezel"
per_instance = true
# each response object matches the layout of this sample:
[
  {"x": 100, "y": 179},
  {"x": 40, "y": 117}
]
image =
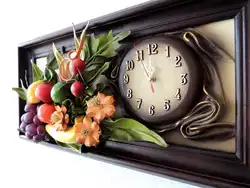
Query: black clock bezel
[{"x": 195, "y": 76}]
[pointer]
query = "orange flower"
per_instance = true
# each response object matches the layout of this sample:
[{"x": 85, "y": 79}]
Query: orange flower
[
  {"x": 101, "y": 106},
  {"x": 59, "y": 118},
  {"x": 87, "y": 131}
]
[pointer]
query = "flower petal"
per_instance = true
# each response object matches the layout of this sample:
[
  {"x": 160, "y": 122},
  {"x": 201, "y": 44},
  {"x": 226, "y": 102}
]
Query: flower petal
[
  {"x": 99, "y": 116},
  {"x": 79, "y": 119},
  {"x": 109, "y": 110},
  {"x": 91, "y": 102},
  {"x": 92, "y": 111},
  {"x": 78, "y": 128},
  {"x": 66, "y": 118},
  {"x": 56, "y": 117},
  {"x": 58, "y": 108},
  {"x": 63, "y": 109},
  {"x": 87, "y": 141},
  {"x": 101, "y": 97},
  {"x": 108, "y": 100},
  {"x": 80, "y": 139},
  {"x": 87, "y": 121}
]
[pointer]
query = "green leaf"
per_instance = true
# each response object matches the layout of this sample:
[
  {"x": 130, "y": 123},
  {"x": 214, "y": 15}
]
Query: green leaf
[
  {"x": 21, "y": 92},
  {"x": 125, "y": 129},
  {"x": 57, "y": 55},
  {"x": 101, "y": 70},
  {"x": 36, "y": 72},
  {"x": 93, "y": 43},
  {"x": 104, "y": 39},
  {"x": 51, "y": 61},
  {"x": 113, "y": 45},
  {"x": 85, "y": 51},
  {"x": 108, "y": 45},
  {"x": 74, "y": 147},
  {"x": 92, "y": 67},
  {"x": 68, "y": 103},
  {"x": 98, "y": 60},
  {"x": 50, "y": 75},
  {"x": 78, "y": 110},
  {"x": 100, "y": 83}
]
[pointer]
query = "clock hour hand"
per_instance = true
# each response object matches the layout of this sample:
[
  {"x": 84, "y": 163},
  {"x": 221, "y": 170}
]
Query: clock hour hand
[{"x": 145, "y": 70}]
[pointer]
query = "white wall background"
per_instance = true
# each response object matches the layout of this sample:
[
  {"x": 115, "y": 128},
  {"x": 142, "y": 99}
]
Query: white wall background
[{"x": 25, "y": 164}]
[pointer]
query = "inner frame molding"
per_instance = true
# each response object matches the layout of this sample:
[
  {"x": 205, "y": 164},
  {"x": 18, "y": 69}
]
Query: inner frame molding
[{"x": 215, "y": 168}]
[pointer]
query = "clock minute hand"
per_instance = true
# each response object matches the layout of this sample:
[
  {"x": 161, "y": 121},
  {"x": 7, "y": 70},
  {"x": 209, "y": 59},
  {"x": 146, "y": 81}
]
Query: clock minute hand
[
  {"x": 151, "y": 70},
  {"x": 148, "y": 77}
]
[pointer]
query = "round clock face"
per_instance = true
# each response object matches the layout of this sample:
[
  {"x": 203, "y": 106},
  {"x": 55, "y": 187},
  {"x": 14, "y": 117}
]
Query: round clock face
[{"x": 159, "y": 80}]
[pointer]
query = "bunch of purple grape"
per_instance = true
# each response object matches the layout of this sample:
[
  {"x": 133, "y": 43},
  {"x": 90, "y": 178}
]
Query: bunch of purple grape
[{"x": 31, "y": 126}]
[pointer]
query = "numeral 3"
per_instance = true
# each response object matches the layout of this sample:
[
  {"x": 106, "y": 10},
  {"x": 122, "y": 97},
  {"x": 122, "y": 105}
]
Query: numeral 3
[{"x": 183, "y": 79}]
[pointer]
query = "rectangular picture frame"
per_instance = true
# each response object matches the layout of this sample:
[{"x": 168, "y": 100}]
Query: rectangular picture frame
[{"x": 219, "y": 169}]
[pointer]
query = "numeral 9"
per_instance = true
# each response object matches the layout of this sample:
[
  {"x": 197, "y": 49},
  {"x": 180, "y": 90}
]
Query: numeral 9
[{"x": 126, "y": 78}]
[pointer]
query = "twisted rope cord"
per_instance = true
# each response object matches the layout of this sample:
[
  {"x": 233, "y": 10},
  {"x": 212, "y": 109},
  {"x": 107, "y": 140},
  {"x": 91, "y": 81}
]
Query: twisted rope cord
[{"x": 201, "y": 122}]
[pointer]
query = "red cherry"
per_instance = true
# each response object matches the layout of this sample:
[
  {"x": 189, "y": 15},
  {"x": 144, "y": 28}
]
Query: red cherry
[
  {"x": 44, "y": 112},
  {"x": 42, "y": 92},
  {"x": 77, "y": 65},
  {"x": 77, "y": 89}
]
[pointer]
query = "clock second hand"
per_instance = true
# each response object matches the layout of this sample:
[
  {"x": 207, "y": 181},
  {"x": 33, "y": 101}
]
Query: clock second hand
[
  {"x": 152, "y": 86},
  {"x": 147, "y": 75}
]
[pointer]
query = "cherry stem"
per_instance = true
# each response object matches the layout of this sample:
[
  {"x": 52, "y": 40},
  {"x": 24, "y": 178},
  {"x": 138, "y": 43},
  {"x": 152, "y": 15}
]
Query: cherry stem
[{"x": 82, "y": 78}]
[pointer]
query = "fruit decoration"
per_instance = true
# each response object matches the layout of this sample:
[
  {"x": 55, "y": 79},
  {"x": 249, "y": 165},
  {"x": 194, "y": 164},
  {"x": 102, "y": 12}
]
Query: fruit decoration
[
  {"x": 77, "y": 89},
  {"x": 67, "y": 102}
]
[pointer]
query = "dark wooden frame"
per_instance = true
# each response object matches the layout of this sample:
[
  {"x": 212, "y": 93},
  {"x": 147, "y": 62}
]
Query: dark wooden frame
[{"x": 204, "y": 166}]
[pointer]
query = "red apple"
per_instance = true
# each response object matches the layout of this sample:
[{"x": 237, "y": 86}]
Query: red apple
[
  {"x": 77, "y": 65},
  {"x": 77, "y": 89},
  {"x": 44, "y": 112},
  {"x": 42, "y": 92}
]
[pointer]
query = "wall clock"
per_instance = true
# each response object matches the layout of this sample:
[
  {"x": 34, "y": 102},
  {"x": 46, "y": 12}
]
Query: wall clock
[{"x": 159, "y": 79}]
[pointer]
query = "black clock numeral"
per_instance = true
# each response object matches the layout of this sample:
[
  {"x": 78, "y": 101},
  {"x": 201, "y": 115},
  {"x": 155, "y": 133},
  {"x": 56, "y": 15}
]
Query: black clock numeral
[
  {"x": 167, "y": 50},
  {"x": 139, "y": 55},
  {"x": 130, "y": 65},
  {"x": 184, "y": 78},
  {"x": 139, "y": 102},
  {"x": 167, "y": 105},
  {"x": 129, "y": 93},
  {"x": 178, "y": 94},
  {"x": 126, "y": 78},
  {"x": 151, "y": 110},
  {"x": 152, "y": 49},
  {"x": 178, "y": 62}
]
